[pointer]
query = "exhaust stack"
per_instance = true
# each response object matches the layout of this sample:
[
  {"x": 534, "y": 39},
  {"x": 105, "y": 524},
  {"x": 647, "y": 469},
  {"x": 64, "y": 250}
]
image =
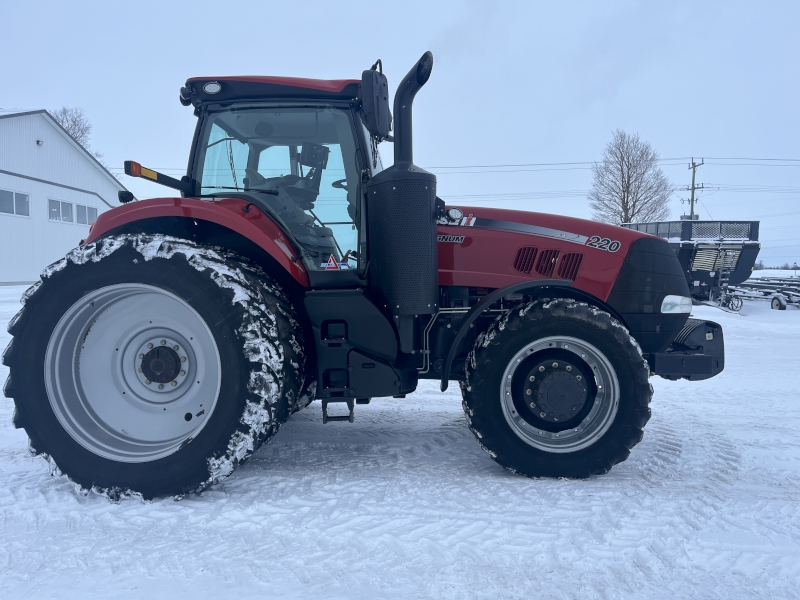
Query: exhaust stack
[
  {"x": 403, "y": 100},
  {"x": 401, "y": 210}
]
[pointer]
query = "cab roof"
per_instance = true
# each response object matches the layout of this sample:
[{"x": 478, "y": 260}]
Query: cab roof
[{"x": 256, "y": 87}]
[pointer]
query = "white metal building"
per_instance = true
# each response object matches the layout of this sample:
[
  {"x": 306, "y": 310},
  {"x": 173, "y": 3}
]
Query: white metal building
[{"x": 51, "y": 190}]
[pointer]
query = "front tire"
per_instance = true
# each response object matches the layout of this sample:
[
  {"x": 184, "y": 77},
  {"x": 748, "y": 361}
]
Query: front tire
[
  {"x": 557, "y": 389},
  {"x": 152, "y": 365}
]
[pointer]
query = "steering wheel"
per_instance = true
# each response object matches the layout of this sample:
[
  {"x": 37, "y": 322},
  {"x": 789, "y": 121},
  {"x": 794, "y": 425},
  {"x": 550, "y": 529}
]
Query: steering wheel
[{"x": 340, "y": 184}]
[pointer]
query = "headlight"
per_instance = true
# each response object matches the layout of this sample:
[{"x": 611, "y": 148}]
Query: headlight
[{"x": 676, "y": 304}]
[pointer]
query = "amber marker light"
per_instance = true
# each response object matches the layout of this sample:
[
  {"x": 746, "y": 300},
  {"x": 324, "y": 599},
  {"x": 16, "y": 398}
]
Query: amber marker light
[{"x": 133, "y": 169}]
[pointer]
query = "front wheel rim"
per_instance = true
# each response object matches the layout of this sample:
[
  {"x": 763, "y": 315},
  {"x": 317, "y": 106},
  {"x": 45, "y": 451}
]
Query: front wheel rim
[
  {"x": 132, "y": 372},
  {"x": 600, "y": 415}
]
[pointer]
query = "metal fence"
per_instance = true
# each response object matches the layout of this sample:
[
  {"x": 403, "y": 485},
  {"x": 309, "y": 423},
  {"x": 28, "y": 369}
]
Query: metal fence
[{"x": 700, "y": 230}]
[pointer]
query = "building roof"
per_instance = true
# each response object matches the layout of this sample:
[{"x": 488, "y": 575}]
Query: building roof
[{"x": 13, "y": 113}]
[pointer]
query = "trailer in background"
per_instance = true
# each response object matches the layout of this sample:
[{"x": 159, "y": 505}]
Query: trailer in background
[
  {"x": 779, "y": 291},
  {"x": 713, "y": 254}
]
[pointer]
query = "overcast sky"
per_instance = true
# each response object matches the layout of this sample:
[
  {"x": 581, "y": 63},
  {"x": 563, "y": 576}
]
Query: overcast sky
[{"x": 514, "y": 83}]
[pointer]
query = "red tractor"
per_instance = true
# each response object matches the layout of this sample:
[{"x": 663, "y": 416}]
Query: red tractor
[{"x": 176, "y": 339}]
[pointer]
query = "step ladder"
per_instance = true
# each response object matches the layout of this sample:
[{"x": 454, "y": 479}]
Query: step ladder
[
  {"x": 351, "y": 402},
  {"x": 726, "y": 264}
]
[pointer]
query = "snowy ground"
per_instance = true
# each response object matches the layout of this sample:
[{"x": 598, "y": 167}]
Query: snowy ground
[
  {"x": 403, "y": 503},
  {"x": 787, "y": 273}
]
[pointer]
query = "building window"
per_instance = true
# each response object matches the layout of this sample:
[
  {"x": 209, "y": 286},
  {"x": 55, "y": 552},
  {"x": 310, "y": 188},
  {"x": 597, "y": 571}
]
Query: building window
[
  {"x": 85, "y": 215},
  {"x": 14, "y": 203},
  {"x": 60, "y": 211}
]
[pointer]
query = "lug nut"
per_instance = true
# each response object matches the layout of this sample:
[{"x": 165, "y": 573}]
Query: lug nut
[
  {"x": 174, "y": 383},
  {"x": 183, "y": 372},
  {"x": 528, "y": 391},
  {"x": 161, "y": 386},
  {"x": 147, "y": 381},
  {"x": 542, "y": 414},
  {"x": 139, "y": 369},
  {"x": 175, "y": 347},
  {"x": 569, "y": 368},
  {"x": 149, "y": 346},
  {"x": 533, "y": 405},
  {"x": 541, "y": 368},
  {"x": 532, "y": 378},
  {"x": 141, "y": 356},
  {"x": 579, "y": 377},
  {"x": 163, "y": 342},
  {"x": 555, "y": 365},
  {"x": 183, "y": 359}
]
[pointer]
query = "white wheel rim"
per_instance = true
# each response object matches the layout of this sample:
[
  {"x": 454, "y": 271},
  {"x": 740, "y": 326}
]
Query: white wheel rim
[
  {"x": 132, "y": 372},
  {"x": 599, "y": 418}
]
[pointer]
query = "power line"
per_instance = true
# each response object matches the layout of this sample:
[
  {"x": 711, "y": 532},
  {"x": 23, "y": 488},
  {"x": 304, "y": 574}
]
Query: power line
[{"x": 565, "y": 164}]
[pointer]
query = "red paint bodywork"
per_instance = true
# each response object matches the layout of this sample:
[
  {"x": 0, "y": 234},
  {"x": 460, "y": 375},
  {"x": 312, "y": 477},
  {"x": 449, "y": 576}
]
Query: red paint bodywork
[
  {"x": 486, "y": 256},
  {"x": 227, "y": 212},
  {"x": 323, "y": 85},
  {"x": 484, "y": 259}
]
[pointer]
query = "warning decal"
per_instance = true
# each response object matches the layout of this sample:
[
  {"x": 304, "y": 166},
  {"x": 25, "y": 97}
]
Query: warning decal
[{"x": 332, "y": 265}]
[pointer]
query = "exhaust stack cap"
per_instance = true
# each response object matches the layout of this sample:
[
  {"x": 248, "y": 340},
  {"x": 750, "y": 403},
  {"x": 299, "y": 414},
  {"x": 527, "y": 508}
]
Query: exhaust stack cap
[{"x": 403, "y": 99}]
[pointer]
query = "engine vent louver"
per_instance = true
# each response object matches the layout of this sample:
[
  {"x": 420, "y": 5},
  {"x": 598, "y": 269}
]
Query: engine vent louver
[
  {"x": 570, "y": 265},
  {"x": 525, "y": 259},
  {"x": 547, "y": 262}
]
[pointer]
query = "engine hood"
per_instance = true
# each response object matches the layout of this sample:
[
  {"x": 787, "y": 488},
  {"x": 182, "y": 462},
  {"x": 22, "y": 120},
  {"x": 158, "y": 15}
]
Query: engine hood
[
  {"x": 569, "y": 229},
  {"x": 490, "y": 247}
]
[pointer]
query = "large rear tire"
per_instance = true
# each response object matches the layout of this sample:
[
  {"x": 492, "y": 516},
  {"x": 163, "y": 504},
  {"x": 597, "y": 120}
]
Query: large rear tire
[
  {"x": 557, "y": 389},
  {"x": 152, "y": 365}
]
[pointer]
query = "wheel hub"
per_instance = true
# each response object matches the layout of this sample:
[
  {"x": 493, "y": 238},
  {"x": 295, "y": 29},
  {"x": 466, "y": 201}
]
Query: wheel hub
[
  {"x": 557, "y": 390},
  {"x": 162, "y": 363}
]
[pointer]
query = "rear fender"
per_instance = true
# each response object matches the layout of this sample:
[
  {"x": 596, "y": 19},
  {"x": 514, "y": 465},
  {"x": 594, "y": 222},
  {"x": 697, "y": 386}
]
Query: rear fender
[{"x": 233, "y": 214}]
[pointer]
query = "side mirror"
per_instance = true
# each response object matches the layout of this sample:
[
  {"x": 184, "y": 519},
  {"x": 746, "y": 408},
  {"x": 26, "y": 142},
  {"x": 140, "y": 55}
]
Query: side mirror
[{"x": 375, "y": 102}]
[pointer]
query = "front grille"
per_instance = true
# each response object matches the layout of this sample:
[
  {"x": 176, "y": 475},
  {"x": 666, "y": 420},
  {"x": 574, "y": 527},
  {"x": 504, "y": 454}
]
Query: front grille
[
  {"x": 525, "y": 259},
  {"x": 547, "y": 262},
  {"x": 570, "y": 265},
  {"x": 689, "y": 327}
]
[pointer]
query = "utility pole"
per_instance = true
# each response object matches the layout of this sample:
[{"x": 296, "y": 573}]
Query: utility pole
[{"x": 694, "y": 187}]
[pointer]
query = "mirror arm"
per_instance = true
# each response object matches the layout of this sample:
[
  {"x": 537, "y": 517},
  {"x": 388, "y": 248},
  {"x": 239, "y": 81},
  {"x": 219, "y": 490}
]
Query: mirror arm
[{"x": 184, "y": 185}]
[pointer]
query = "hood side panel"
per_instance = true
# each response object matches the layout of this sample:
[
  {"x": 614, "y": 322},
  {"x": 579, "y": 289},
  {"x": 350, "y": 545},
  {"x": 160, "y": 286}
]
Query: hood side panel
[{"x": 480, "y": 250}]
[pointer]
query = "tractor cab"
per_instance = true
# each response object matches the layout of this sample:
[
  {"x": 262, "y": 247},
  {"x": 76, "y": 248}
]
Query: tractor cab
[{"x": 302, "y": 165}]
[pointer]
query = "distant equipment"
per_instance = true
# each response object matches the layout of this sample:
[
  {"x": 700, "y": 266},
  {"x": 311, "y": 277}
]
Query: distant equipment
[{"x": 713, "y": 254}]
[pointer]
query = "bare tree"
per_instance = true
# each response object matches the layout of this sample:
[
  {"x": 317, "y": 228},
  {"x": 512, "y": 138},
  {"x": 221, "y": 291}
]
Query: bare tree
[
  {"x": 77, "y": 124},
  {"x": 628, "y": 185}
]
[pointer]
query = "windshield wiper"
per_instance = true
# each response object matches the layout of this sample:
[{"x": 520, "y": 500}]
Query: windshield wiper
[{"x": 227, "y": 139}]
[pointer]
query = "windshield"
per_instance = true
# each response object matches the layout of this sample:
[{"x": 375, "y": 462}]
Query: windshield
[{"x": 299, "y": 163}]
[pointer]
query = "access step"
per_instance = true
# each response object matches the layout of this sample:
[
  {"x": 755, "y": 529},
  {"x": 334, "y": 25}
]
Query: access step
[{"x": 350, "y": 404}]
